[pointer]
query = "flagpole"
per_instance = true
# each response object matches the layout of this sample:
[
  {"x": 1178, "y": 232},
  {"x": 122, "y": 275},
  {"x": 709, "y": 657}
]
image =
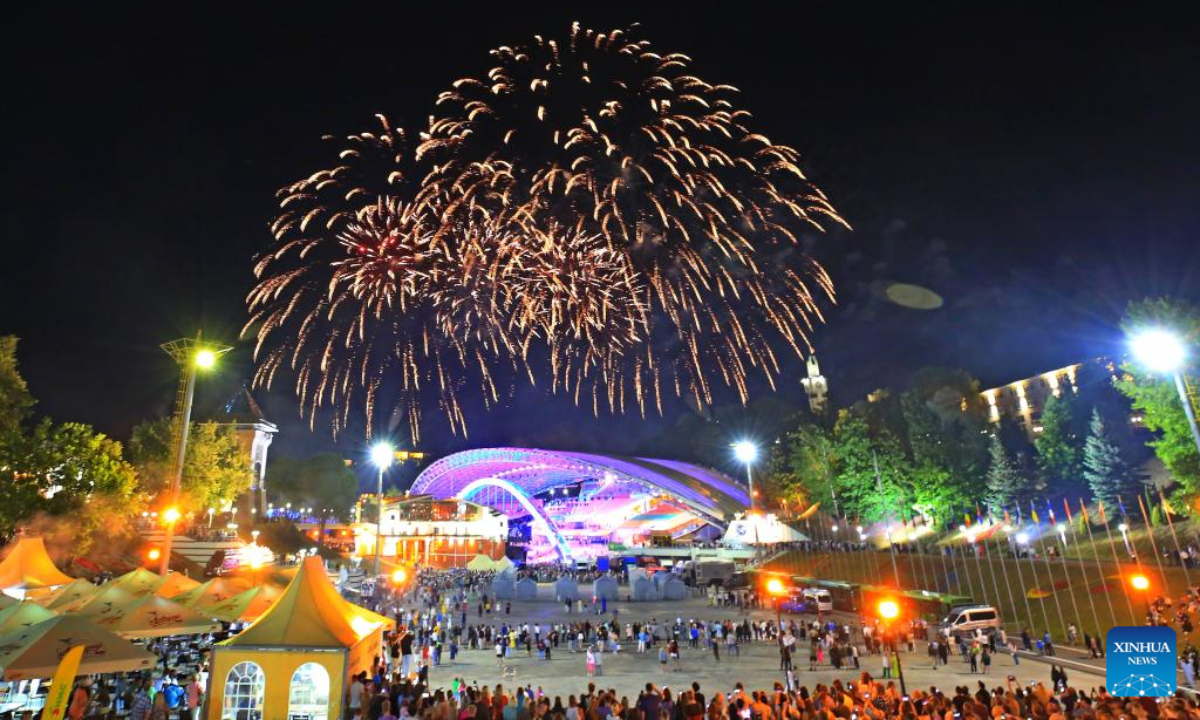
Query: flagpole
[
  {"x": 1062, "y": 537},
  {"x": 991, "y": 565},
  {"x": 1050, "y": 572},
  {"x": 1113, "y": 546},
  {"x": 890, "y": 520},
  {"x": 941, "y": 551},
  {"x": 1036, "y": 582},
  {"x": 913, "y": 546},
  {"x": 1083, "y": 563},
  {"x": 1178, "y": 550},
  {"x": 1020, "y": 573},
  {"x": 1153, "y": 544},
  {"x": 1007, "y": 581},
  {"x": 967, "y": 575},
  {"x": 1087, "y": 522}
]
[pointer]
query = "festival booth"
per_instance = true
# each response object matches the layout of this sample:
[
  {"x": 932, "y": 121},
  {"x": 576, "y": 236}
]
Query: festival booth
[
  {"x": 138, "y": 582},
  {"x": 23, "y": 615},
  {"x": 175, "y": 585},
  {"x": 75, "y": 592},
  {"x": 480, "y": 563},
  {"x": 295, "y": 660},
  {"x": 106, "y": 600},
  {"x": 35, "y": 651},
  {"x": 247, "y": 606},
  {"x": 758, "y": 529},
  {"x": 28, "y": 567}
]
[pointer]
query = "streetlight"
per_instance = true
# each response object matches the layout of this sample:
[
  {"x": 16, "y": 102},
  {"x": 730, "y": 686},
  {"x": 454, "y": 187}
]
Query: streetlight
[
  {"x": 1141, "y": 583},
  {"x": 776, "y": 590},
  {"x": 1125, "y": 536},
  {"x": 1162, "y": 351},
  {"x": 382, "y": 455},
  {"x": 191, "y": 355},
  {"x": 747, "y": 452},
  {"x": 890, "y": 610}
]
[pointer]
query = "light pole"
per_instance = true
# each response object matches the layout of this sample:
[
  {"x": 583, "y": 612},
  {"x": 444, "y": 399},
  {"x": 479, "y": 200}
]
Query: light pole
[
  {"x": 747, "y": 452},
  {"x": 890, "y": 610},
  {"x": 382, "y": 455},
  {"x": 1162, "y": 351},
  {"x": 1125, "y": 536},
  {"x": 775, "y": 589},
  {"x": 192, "y": 355}
]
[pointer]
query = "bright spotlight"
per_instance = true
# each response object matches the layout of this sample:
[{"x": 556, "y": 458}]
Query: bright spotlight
[
  {"x": 1023, "y": 538},
  {"x": 889, "y": 609},
  {"x": 1140, "y": 582},
  {"x": 1123, "y": 527},
  {"x": 774, "y": 586},
  {"x": 1159, "y": 350},
  {"x": 205, "y": 358},
  {"x": 171, "y": 515},
  {"x": 382, "y": 454},
  {"x": 745, "y": 451}
]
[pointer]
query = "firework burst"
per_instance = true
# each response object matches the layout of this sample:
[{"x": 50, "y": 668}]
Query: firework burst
[{"x": 589, "y": 212}]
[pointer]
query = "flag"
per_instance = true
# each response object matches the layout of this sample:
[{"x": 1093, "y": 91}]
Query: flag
[
  {"x": 1103, "y": 519},
  {"x": 978, "y": 514},
  {"x": 1121, "y": 505},
  {"x": 967, "y": 519},
  {"x": 1007, "y": 521},
  {"x": 60, "y": 686},
  {"x": 1033, "y": 512},
  {"x": 1067, "y": 507},
  {"x": 1049, "y": 510},
  {"x": 1166, "y": 508},
  {"x": 1083, "y": 509},
  {"x": 1020, "y": 517},
  {"x": 1037, "y": 594},
  {"x": 811, "y": 509}
]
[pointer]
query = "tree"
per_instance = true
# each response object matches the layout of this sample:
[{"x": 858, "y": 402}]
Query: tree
[
  {"x": 15, "y": 400},
  {"x": 1006, "y": 484},
  {"x": 1155, "y": 398},
  {"x": 215, "y": 471},
  {"x": 1060, "y": 444},
  {"x": 322, "y": 482},
  {"x": 809, "y": 465},
  {"x": 1104, "y": 465},
  {"x": 858, "y": 455}
]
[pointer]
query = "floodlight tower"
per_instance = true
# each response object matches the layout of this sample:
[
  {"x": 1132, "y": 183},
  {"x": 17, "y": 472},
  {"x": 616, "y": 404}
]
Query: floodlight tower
[{"x": 191, "y": 355}]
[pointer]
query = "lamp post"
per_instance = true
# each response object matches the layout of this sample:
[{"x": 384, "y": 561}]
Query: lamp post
[
  {"x": 382, "y": 455},
  {"x": 1162, "y": 351},
  {"x": 1125, "y": 536},
  {"x": 747, "y": 452},
  {"x": 775, "y": 589},
  {"x": 1141, "y": 584},
  {"x": 890, "y": 610},
  {"x": 192, "y": 355}
]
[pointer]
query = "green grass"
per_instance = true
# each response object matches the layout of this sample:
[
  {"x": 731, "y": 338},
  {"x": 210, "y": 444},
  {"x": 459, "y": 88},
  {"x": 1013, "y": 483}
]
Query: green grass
[{"x": 1072, "y": 602}]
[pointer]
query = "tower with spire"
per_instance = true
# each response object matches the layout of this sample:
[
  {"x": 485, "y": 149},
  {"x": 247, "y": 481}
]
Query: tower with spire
[{"x": 816, "y": 387}]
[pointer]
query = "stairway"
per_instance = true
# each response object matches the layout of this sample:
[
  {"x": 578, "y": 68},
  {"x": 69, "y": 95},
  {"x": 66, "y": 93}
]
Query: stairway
[{"x": 185, "y": 546}]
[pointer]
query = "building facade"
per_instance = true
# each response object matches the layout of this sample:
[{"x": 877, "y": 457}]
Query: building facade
[{"x": 427, "y": 532}]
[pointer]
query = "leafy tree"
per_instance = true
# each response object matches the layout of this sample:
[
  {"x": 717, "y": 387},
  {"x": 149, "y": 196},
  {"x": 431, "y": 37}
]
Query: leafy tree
[
  {"x": 1155, "y": 398},
  {"x": 215, "y": 471},
  {"x": 323, "y": 482},
  {"x": 858, "y": 454},
  {"x": 1060, "y": 444},
  {"x": 1006, "y": 484},
  {"x": 810, "y": 465},
  {"x": 1104, "y": 465},
  {"x": 15, "y": 400}
]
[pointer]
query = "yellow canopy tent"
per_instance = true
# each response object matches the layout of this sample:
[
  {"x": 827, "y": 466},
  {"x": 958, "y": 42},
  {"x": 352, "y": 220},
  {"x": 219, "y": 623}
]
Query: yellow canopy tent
[
  {"x": 326, "y": 639},
  {"x": 35, "y": 651},
  {"x": 72, "y": 593},
  {"x": 204, "y": 596},
  {"x": 247, "y": 606},
  {"x": 138, "y": 582},
  {"x": 7, "y": 601},
  {"x": 154, "y": 616},
  {"x": 23, "y": 615},
  {"x": 176, "y": 584},
  {"x": 480, "y": 563},
  {"x": 28, "y": 567}
]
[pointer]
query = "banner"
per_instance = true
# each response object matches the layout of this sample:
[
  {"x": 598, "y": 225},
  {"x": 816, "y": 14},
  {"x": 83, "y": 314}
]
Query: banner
[{"x": 61, "y": 685}]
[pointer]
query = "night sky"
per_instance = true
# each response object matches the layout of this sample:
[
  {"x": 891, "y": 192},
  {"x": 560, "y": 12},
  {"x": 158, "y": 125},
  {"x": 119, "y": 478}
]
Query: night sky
[{"x": 1038, "y": 168}]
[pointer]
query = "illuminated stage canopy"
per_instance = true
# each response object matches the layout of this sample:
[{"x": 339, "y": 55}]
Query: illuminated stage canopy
[{"x": 579, "y": 502}]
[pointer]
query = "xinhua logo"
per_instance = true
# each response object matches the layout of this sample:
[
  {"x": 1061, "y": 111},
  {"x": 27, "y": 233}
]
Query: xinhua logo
[{"x": 1141, "y": 661}]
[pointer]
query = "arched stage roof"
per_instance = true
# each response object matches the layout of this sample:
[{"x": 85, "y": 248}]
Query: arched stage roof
[{"x": 712, "y": 495}]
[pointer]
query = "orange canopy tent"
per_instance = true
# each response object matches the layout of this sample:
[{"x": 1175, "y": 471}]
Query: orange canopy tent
[
  {"x": 316, "y": 627},
  {"x": 176, "y": 584},
  {"x": 247, "y": 606},
  {"x": 138, "y": 581},
  {"x": 28, "y": 567}
]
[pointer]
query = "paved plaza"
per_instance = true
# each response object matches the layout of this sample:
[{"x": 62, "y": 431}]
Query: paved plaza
[{"x": 756, "y": 667}]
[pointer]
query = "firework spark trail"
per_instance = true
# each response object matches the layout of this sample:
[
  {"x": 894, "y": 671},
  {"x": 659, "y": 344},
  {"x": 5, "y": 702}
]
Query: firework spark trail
[{"x": 589, "y": 212}]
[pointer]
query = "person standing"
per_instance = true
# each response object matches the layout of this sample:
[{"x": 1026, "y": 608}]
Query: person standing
[
  {"x": 141, "y": 706},
  {"x": 591, "y": 662},
  {"x": 195, "y": 694}
]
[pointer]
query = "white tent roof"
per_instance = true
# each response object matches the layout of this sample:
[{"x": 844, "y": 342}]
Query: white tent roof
[{"x": 36, "y": 651}]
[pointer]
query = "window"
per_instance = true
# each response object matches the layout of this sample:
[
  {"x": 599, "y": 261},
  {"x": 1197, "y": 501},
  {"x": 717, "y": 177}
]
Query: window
[
  {"x": 245, "y": 686},
  {"x": 308, "y": 698},
  {"x": 981, "y": 615}
]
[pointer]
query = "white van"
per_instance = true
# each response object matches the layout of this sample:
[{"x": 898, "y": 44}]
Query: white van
[
  {"x": 818, "y": 600},
  {"x": 972, "y": 620}
]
